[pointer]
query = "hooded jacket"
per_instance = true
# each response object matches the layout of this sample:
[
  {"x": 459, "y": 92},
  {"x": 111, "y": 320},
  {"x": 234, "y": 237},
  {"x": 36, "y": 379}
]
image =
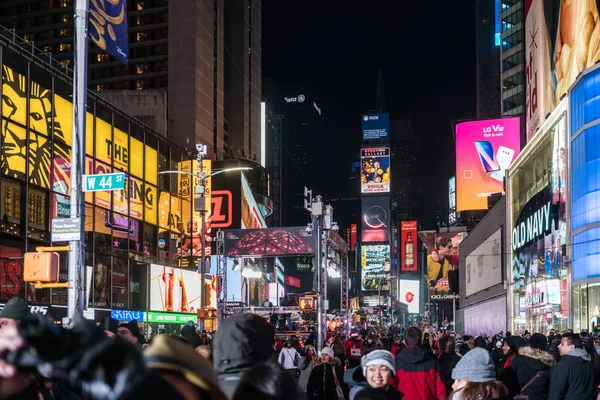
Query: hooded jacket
[
  {"x": 417, "y": 376},
  {"x": 356, "y": 380},
  {"x": 446, "y": 363},
  {"x": 321, "y": 384},
  {"x": 241, "y": 341},
  {"x": 526, "y": 364},
  {"x": 573, "y": 377}
]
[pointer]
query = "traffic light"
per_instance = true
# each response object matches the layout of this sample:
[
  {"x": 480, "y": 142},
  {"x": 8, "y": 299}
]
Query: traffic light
[{"x": 41, "y": 267}]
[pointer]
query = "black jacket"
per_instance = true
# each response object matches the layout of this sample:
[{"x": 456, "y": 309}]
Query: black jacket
[
  {"x": 573, "y": 377},
  {"x": 241, "y": 341},
  {"x": 321, "y": 384},
  {"x": 523, "y": 368},
  {"x": 446, "y": 364},
  {"x": 370, "y": 393}
]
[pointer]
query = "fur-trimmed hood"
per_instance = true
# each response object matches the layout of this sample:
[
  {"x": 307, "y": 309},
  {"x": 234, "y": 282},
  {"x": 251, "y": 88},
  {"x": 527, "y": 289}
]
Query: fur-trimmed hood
[
  {"x": 536, "y": 354},
  {"x": 336, "y": 362}
]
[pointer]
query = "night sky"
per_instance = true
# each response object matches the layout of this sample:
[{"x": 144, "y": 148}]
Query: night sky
[{"x": 427, "y": 53}]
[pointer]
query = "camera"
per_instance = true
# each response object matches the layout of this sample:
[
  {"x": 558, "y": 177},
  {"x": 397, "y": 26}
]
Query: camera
[
  {"x": 202, "y": 150},
  {"x": 335, "y": 228},
  {"x": 308, "y": 229}
]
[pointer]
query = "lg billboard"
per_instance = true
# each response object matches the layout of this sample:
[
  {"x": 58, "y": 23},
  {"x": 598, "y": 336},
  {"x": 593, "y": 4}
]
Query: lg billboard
[{"x": 484, "y": 150}]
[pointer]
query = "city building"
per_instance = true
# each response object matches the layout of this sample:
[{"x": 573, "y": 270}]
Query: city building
[
  {"x": 512, "y": 56},
  {"x": 488, "y": 80},
  {"x": 200, "y": 59}
]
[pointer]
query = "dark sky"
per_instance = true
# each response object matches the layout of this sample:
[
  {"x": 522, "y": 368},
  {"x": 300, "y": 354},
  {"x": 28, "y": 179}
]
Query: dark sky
[{"x": 425, "y": 48}]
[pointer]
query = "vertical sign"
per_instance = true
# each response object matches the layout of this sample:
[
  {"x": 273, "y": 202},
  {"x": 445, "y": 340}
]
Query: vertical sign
[
  {"x": 452, "y": 200},
  {"x": 408, "y": 246},
  {"x": 353, "y": 237},
  {"x": 108, "y": 27}
]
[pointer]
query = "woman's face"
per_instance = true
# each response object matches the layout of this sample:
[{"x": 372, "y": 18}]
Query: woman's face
[
  {"x": 325, "y": 358},
  {"x": 310, "y": 352},
  {"x": 379, "y": 376},
  {"x": 458, "y": 384}
]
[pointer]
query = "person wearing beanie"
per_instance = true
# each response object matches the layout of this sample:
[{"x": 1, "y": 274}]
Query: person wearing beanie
[
  {"x": 511, "y": 348},
  {"x": 530, "y": 364},
  {"x": 378, "y": 367},
  {"x": 129, "y": 331},
  {"x": 475, "y": 377},
  {"x": 325, "y": 377},
  {"x": 14, "y": 311}
]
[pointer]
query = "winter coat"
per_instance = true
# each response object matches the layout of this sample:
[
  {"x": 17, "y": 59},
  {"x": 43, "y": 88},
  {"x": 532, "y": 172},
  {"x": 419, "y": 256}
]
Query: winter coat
[
  {"x": 446, "y": 364},
  {"x": 242, "y": 341},
  {"x": 396, "y": 347},
  {"x": 417, "y": 375},
  {"x": 288, "y": 357},
  {"x": 573, "y": 377},
  {"x": 355, "y": 379},
  {"x": 378, "y": 394},
  {"x": 321, "y": 384},
  {"x": 523, "y": 368},
  {"x": 340, "y": 352},
  {"x": 353, "y": 349}
]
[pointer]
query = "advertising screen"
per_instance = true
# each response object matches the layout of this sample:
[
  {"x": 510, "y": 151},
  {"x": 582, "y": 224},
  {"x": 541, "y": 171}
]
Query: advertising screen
[
  {"x": 561, "y": 40},
  {"x": 484, "y": 150},
  {"x": 484, "y": 265},
  {"x": 442, "y": 263},
  {"x": 408, "y": 246},
  {"x": 409, "y": 294},
  {"x": 452, "y": 200},
  {"x": 375, "y": 127},
  {"x": 269, "y": 242},
  {"x": 353, "y": 234},
  {"x": 375, "y": 170},
  {"x": 174, "y": 289},
  {"x": 375, "y": 219},
  {"x": 375, "y": 265}
]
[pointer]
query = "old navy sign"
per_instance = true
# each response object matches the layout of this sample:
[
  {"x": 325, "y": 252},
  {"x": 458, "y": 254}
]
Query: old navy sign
[
  {"x": 532, "y": 227},
  {"x": 532, "y": 300}
]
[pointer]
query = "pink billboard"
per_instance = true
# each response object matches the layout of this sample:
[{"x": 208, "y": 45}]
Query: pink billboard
[{"x": 484, "y": 150}]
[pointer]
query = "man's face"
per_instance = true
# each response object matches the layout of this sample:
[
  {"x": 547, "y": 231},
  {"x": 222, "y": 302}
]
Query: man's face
[
  {"x": 379, "y": 376},
  {"x": 4, "y": 322},
  {"x": 506, "y": 349},
  {"x": 564, "y": 347},
  {"x": 126, "y": 334}
]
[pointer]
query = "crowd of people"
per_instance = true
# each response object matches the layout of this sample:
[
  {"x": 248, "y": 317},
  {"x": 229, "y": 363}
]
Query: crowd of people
[{"x": 243, "y": 360}]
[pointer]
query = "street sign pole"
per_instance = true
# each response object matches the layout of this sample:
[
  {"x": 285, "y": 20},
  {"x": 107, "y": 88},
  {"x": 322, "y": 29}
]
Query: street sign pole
[{"x": 76, "y": 252}]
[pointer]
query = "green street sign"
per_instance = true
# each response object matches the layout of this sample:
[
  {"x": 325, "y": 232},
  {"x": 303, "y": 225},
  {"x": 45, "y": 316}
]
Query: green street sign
[
  {"x": 100, "y": 182},
  {"x": 170, "y": 318}
]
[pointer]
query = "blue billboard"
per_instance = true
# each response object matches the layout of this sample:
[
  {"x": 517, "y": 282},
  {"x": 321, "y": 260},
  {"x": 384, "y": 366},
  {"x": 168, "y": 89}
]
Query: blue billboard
[{"x": 376, "y": 127}]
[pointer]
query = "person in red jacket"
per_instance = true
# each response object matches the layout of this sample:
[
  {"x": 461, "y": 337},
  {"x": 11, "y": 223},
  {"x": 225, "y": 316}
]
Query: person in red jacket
[
  {"x": 353, "y": 350},
  {"x": 417, "y": 373}
]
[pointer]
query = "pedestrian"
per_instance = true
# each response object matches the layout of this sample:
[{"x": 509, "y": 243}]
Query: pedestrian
[
  {"x": 355, "y": 380},
  {"x": 289, "y": 358},
  {"x": 326, "y": 377},
  {"x": 353, "y": 349},
  {"x": 573, "y": 377},
  {"x": 306, "y": 367},
  {"x": 417, "y": 375},
  {"x": 447, "y": 360},
  {"x": 510, "y": 349},
  {"x": 595, "y": 355},
  {"x": 397, "y": 345},
  {"x": 266, "y": 380},
  {"x": 241, "y": 341},
  {"x": 338, "y": 349},
  {"x": 130, "y": 332},
  {"x": 379, "y": 367},
  {"x": 475, "y": 377},
  {"x": 529, "y": 372}
]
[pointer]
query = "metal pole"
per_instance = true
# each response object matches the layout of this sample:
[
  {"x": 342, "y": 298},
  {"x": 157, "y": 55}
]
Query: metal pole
[
  {"x": 324, "y": 260},
  {"x": 76, "y": 262},
  {"x": 453, "y": 313},
  {"x": 319, "y": 262}
]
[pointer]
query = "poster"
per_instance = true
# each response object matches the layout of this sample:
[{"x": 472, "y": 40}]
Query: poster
[
  {"x": 442, "y": 263},
  {"x": 408, "y": 246}
]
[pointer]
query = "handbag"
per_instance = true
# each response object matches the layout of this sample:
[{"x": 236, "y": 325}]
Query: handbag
[{"x": 338, "y": 389}]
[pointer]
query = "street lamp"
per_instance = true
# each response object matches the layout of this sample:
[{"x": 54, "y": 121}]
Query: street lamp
[{"x": 200, "y": 207}]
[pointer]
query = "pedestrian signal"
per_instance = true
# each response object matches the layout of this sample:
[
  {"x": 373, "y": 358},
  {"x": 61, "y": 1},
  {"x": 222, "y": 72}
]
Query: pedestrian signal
[{"x": 41, "y": 267}]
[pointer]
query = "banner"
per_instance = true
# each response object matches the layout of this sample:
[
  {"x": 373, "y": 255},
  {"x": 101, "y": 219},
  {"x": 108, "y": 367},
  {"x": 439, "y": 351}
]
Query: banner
[
  {"x": 174, "y": 289},
  {"x": 561, "y": 40},
  {"x": 484, "y": 150},
  {"x": 376, "y": 219},
  {"x": 269, "y": 242},
  {"x": 375, "y": 170},
  {"x": 484, "y": 265},
  {"x": 410, "y": 294},
  {"x": 408, "y": 246},
  {"x": 353, "y": 237},
  {"x": 376, "y": 127},
  {"x": 375, "y": 266},
  {"x": 108, "y": 27}
]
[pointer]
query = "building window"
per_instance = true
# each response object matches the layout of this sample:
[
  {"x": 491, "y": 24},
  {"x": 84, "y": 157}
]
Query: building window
[
  {"x": 141, "y": 85},
  {"x": 64, "y": 3},
  {"x": 64, "y": 47},
  {"x": 28, "y": 37},
  {"x": 99, "y": 87},
  {"x": 36, "y": 209},
  {"x": 141, "y": 36},
  {"x": 141, "y": 68},
  {"x": 102, "y": 57},
  {"x": 64, "y": 18},
  {"x": 140, "y": 5},
  {"x": 63, "y": 32}
]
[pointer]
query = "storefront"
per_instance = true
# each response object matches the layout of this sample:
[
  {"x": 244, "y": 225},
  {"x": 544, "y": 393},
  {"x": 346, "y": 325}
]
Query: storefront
[
  {"x": 585, "y": 199},
  {"x": 537, "y": 273}
]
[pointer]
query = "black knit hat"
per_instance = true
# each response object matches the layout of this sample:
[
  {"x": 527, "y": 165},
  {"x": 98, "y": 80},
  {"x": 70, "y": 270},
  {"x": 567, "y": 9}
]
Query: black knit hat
[
  {"x": 16, "y": 308},
  {"x": 133, "y": 327},
  {"x": 515, "y": 342},
  {"x": 538, "y": 341}
]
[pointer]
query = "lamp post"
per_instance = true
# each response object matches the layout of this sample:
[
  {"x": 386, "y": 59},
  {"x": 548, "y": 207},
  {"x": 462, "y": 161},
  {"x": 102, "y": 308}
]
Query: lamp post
[{"x": 199, "y": 206}]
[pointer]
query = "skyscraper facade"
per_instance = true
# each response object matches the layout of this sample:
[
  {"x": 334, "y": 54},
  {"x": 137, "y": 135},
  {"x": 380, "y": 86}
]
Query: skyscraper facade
[{"x": 487, "y": 29}]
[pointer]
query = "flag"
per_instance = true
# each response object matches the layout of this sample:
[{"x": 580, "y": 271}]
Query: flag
[{"x": 108, "y": 27}]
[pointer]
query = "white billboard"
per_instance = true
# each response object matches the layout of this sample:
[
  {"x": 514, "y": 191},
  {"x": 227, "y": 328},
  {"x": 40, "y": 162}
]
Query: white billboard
[
  {"x": 487, "y": 318},
  {"x": 174, "y": 289},
  {"x": 409, "y": 293},
  {"x": 484, "y": 265}
]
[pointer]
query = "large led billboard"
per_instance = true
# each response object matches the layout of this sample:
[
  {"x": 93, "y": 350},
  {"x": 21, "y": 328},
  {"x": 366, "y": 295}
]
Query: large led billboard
[
  {"x": 174, "y": 289},
  {"x": 484, "y": 150},
  {"x": 442, "y": 263},
  {"x": 561, "y": 40},
  {"x": 375, "y": 170},
  {"x": 409, "y": 294},
  {"x": 408, "y": 246},
  {"x": 375, "y": 266},
  {"x": 375, "y": 219},
  {"x": 375, "y": 127}
]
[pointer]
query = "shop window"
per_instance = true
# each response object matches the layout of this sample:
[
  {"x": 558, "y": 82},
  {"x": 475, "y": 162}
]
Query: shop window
[
  {"x": 138, "y": 285},
  {"x": 101, "y": 282},
  {"x": 119, "y": 283},
  {"x": 11, "y": 207},
  {"x": 11, "y": 272},
  {"x": 36, "y": 214},
  {"x": 102, "y": 231}
]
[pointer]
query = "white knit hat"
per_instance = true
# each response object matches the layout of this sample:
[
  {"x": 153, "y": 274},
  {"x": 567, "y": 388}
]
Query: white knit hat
[
  {"x": 378, "y": 357},
  {"x": 329, "y": 351}
]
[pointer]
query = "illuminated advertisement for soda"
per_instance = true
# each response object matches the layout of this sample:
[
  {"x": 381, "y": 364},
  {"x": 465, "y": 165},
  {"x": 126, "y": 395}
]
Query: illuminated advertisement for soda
[{"x": 408, "y": 246}]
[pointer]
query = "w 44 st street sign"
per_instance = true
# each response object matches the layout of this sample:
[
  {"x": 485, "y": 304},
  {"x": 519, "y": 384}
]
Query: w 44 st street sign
[{"x": 96, "y": 183}]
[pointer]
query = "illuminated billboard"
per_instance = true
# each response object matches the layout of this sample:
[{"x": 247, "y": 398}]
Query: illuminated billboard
[
  {"x": 375, "y": 127},
  {"x": 174, "y": 289},
  {"x": 561, "y": 40},
  {"x": 408, "y": 246},
  {"x": 409, "y": 294},
  {"x": 375, "y": 266},
  {"x": 484, "y": 150},
  {"x": 375, "y": 219},
  {"x": 375, "y": 170},
  {"x": 442, "y": 263}
]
